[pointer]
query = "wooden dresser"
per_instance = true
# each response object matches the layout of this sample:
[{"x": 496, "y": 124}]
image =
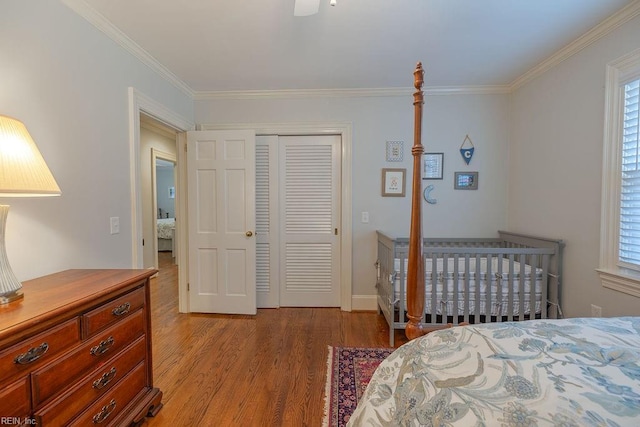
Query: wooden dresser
[{"x": 77, "y": 351}]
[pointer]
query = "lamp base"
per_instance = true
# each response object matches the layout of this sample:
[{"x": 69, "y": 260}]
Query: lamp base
[
  {"x": 11, "y": 297},
  {"x": 10, "y": 287}
]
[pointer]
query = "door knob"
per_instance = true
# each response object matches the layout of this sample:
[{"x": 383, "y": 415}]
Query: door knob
[{"x": 249, "y": 233}]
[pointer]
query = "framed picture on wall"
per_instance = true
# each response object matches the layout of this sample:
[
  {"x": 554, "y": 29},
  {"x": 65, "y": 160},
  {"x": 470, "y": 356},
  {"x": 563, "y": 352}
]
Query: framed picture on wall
[
  {"x": 432, "y": 165},
  {"x": 465, "y": 181},
  {"x": 393, "y": 182}
]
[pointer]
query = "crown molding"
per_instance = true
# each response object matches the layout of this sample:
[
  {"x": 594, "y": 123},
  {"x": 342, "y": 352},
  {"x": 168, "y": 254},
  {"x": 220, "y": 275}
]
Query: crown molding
[
  {"x": 348, "y": 93},
  {"x": 616, "y": 20},
  {"x": 104, "y": 25}
]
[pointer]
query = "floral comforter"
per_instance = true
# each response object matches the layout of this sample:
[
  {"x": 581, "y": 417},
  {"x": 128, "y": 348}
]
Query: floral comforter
[{"x": 569, "y": 372}]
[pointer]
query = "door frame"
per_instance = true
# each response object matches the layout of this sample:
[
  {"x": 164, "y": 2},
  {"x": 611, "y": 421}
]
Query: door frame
[
  {"x": 344, "y": 129},
  {"x": 141, "y": 103}
]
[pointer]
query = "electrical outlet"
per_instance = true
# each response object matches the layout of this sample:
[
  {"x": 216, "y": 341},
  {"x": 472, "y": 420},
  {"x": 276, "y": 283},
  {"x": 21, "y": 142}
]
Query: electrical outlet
[
  {"x": 365, "y": 217},
  {"x": 596, "y": 310},
  {"x": 114, "y": 222}
]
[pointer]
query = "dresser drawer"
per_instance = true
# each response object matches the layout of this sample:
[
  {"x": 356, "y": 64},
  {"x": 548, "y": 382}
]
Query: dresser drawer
[
  {"x": 91, "y": 387},
  {"x": 105, "y": 409},
  {"x": 15, "y": 399},
  {"x": 63, "y": 372},
  {"x": 34, "y": 351},
  {"x": 111, "y": 312}
]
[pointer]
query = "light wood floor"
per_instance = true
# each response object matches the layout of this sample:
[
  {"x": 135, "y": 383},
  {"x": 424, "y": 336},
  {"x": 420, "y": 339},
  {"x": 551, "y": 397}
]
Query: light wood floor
[{"x": 264, "y": 370}]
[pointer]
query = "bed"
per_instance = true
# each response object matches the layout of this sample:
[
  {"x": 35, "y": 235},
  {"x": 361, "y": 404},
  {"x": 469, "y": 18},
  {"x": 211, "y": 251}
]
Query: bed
[
  {"x": 562, "y": 372},
  {"x": 511, "y": 277},
  {"x": 166, "y": 229}
]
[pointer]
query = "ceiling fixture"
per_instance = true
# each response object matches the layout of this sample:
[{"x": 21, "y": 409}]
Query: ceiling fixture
[{"x": 308, "y": 7}]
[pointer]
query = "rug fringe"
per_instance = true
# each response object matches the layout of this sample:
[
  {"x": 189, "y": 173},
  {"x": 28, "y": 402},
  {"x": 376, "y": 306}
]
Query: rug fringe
[{"x": 327, "y": 390}]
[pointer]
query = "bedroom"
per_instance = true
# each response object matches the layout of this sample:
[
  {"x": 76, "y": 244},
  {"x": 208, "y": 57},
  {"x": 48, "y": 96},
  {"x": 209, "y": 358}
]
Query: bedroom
[{"x": 547, "y": 130}]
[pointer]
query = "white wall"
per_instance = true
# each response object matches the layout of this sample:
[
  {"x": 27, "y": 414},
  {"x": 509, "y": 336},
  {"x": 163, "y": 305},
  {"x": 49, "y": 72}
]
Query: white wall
[
  {"x": 447, "y": 119},
  {"x": 68, "y": 83},
  {"x": 556, "y": 167}
]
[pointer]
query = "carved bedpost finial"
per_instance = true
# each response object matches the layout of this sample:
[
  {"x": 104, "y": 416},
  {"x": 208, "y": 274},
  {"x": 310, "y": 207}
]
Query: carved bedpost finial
[{"x": 418, "y": 76}]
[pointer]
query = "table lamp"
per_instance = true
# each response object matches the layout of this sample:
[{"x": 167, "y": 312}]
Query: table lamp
[{"x": 23, "y": 173}]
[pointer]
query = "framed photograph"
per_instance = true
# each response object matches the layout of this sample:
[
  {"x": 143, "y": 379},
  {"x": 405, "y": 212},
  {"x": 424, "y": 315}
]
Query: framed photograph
[
  {"x": 432, "y": 165},
  {"x": 466, "y": 181},
  {"x": 172, "y": 192},
  {"x": 393, "y": 182}
]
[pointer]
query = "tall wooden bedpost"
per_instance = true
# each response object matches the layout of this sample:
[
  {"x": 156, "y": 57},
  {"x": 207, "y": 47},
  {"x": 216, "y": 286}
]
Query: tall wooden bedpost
[{"x": 415, "y": 270}]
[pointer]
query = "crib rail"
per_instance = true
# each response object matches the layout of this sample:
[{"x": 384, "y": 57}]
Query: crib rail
[{"x": 474, "y": 280}]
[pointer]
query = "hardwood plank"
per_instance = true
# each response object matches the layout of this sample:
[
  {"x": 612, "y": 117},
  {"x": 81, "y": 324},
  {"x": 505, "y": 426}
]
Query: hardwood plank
[{"x": 263, "y": 370}]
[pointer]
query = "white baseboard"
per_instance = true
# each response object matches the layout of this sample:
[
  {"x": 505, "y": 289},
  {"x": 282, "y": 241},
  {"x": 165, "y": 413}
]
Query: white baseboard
[{"x": 364, "y": 303}]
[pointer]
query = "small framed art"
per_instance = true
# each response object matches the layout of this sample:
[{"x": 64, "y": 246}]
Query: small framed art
[
  {"x": 466, "y": 181},
  {"x": 432, "y": 165},
  {"x": 395, "y": 151},
  {"x": 393, "y": 182}
]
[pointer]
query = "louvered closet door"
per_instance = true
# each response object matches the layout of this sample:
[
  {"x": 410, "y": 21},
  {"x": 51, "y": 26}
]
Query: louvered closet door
[
  {"x": 267, "y": 224},
  {"x": 309, "y": 221}
]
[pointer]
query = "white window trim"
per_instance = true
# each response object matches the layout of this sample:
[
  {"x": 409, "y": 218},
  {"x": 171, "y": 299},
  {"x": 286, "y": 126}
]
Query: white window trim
[{"x": 611, "y": 274}]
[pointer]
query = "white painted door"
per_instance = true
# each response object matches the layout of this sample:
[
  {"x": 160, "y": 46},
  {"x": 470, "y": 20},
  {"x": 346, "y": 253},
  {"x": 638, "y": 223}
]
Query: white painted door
[
  {"x": 309, "y": 220},
  {"x": 221, "y": 215}
]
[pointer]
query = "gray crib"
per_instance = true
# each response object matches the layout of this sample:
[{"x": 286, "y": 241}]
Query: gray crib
[{"x": 476, "y": 280}]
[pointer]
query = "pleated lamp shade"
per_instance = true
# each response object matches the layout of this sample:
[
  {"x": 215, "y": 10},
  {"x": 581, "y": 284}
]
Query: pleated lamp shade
[{"x": 23, "y": 173}]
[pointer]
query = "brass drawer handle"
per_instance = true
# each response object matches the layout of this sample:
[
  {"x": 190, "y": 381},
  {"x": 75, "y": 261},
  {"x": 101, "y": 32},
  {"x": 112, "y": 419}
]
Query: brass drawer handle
[
  {"x": 104, "y": 412},
  {"x": 102, "y": 347},
  {"x": 32, "y": 355},
  {"x": 105, "y": 379},
  {"x": 121, "y": 309}
]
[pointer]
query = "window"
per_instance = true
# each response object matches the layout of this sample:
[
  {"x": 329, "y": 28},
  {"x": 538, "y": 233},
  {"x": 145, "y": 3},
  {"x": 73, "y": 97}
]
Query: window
[
  {"x": 620, "y": 227},
  {"x": 629, "y": 246}
]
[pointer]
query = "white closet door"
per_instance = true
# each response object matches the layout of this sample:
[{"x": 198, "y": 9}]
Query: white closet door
[
  {"x": 309, "y": 221},
  {"x": 222, "y": 246},
  {"x": 267, "y": 223}
]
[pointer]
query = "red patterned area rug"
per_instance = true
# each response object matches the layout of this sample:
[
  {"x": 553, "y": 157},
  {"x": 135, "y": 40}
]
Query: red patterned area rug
[{"x": 349, "y": 370}]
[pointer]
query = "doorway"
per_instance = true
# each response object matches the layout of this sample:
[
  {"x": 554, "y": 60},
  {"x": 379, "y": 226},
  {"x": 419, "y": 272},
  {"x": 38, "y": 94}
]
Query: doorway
[{"x": 158, "y": 178}]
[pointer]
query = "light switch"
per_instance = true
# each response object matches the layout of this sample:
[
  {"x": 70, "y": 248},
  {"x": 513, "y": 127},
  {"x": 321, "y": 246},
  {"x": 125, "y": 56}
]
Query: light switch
[
  {"x": 365, "y": 217},
  {"x": 115, "y": 224}
]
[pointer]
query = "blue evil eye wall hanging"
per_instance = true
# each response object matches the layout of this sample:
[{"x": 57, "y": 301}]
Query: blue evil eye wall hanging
[{"x": 466, "y": 149}]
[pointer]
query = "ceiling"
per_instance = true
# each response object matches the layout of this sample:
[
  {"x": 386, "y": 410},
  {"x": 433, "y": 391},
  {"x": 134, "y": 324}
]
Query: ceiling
[{"x": 249, "y": 45}]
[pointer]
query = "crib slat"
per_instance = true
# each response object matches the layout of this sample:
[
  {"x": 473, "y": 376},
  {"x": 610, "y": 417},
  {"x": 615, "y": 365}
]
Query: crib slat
[
  {"x": 434, "y": 287},
  {"x": 521, "y": 282},
  {"x": 533, "y": 286},
  {"x": 444, "y": 274},
  {"x": 510, "y": 289},
  {"x": 466, "y": 287},
  {"x": 544, "y": 297},
  {"x": 489, "y": 289},
  {"x": 476, "y": 282},
  {"x": 456, "y": 288}
]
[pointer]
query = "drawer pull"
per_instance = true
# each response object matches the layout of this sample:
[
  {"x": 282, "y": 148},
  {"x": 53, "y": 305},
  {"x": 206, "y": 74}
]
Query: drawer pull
[
  {"x": 121, "y": 309},
  {"x": 102, "y": 347},
  {"x": 104, "y": 412},
  {"x": 32, "y": 355},
  {"x": 105, "y": 379}
]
